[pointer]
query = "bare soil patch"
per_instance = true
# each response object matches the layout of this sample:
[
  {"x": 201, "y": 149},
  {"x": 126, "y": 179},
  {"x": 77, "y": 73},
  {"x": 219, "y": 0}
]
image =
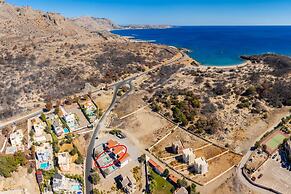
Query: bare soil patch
[
  {"x": 20, "y": 180},
  {"x": 146, "y": 126}
]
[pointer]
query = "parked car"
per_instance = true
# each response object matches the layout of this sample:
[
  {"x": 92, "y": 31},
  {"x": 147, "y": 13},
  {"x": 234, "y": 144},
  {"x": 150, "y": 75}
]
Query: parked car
[
  {"x": 253, "y": 178},
  {"x": 260, "y": 176},
  {"x": 120, "y": 135}
]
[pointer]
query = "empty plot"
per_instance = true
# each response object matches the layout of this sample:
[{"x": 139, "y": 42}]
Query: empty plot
[
  {"x": 163, "y": 149},
  {"x": 209, "y": 152},
  {"x": 217, "y": 167}
]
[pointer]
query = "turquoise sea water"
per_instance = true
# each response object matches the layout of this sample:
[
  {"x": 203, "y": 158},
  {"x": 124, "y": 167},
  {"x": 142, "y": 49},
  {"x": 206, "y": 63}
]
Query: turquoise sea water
[{"x": 220, "y": 45}]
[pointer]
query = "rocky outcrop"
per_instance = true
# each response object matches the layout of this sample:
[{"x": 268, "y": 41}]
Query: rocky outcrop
[{"x": 280, "y": 64}]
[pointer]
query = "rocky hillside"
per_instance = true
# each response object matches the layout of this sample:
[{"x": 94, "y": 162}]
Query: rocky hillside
[
  {"x": 46, "y": 56},
  {"x": 95, "y": 24}
]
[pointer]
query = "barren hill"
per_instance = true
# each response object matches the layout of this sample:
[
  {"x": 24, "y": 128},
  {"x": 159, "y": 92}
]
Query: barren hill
[
  {"x": 46, "y": 56},
  {"x": 95, "y": 24}
]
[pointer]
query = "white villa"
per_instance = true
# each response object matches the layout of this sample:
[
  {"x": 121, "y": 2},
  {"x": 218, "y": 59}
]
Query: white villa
[
  {"x": 188, "y": 156},
  {"x": 64, "y": 161},
  {"x": 57, "y": 127},
  {"x": 39, "y": 127},
  {"x": 44, "y": 157},
  {"x": 16, "y": 142},
  {"x": 200, "y": 165},
  {"x": 16, "y": 138},
  {"x": 62, "y": 184},
  {"x": 70, "y": 119}
]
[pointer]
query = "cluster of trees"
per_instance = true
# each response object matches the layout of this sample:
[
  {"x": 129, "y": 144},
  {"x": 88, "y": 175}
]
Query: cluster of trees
[
  {"x": 185, "y": 107},
  {"x": 94, "y": 178},
  {"x": 182, "y": 111},
  {"x": 276, "y": 93},
  {"x": 9, "y": 164}
]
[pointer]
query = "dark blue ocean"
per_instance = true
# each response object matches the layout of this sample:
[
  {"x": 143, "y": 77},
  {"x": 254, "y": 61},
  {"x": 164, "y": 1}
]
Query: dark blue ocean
[{"x": 220, "y": 45}]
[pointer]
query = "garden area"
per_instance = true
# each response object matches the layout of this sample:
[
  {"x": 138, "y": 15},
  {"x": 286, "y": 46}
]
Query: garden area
[{"x": 159, "y": 185}]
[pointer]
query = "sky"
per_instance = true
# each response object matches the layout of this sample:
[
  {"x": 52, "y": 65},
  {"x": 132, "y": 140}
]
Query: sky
[{"x": 173, "y": 12}]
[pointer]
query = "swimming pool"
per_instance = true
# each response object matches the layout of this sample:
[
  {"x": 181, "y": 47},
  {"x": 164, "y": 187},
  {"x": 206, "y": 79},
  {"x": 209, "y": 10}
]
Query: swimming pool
[
  {"x": 76, "y": 187},
  {"x": 44, "y": 165},
  {"x": 66, "y": 130}
]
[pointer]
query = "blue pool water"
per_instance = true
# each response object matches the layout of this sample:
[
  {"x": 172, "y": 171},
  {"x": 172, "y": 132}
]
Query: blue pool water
[
  {"x": 44, "y": 165},
  {"x": 76, "y": 187},
  {"x": 220, "y": 45},
  {"x": 66, "y": 130}
]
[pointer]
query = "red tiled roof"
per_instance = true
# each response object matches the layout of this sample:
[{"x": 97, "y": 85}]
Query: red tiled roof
[
  {"x": 111, "y": 143},
  {"x": 153, "y": 163},
  {"x": 173, "y": 178},
  {"x": 160, "y": 169},
  {"x": 124, "y": 157},
  {"x": 118, "y": 149}
]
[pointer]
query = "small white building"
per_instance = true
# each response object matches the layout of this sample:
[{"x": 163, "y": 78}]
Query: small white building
[
  {"x": 181, "y": 190},
  {"x": 16, "y": 138},
  {"x": 64, "y": 161},
  {"x": 177, "y": 147},
  {"x": 200, "y": 165},
  {"x": 188, "y": 156}
]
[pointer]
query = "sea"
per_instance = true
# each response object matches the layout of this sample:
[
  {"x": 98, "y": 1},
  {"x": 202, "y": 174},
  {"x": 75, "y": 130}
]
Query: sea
[{"x": 219, "y": 45}]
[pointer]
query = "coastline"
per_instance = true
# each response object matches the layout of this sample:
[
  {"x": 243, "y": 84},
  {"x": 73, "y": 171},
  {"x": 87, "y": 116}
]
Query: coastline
[
  {"x": 184, "y": 50},
  {"x": 220, "y": 52},
  {"x": 243, "y": 64}
]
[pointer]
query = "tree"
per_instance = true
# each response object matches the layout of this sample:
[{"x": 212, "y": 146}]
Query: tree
[
  {"x": 73, "y": 151},
  {"x": 192, "y": 189},
  {"x": 49, "y": 105},
  {"x": 29, "y": 170},
  {"x": 142, "y": 158},
  {"x": 196, "y": 103},
  {"x": 264, "y": 147},
  {"x": 94, "y": 178},
  {"x": 257, "y": 144},
  {"x": 43, "y": 117},
  {"x": 182, "y": 183},
  {"x": 165, "y": 173},
  {"x": 79, "y": 160}
]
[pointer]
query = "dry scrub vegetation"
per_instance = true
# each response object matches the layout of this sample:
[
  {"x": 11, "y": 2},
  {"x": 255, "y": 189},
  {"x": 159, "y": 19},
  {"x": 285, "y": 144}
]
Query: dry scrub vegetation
[{"x": 46, "y": 56}]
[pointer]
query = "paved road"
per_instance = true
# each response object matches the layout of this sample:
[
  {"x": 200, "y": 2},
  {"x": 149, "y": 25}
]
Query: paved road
[
  {"x": 98, "y": 124},
  {"x": 19, "y": 119}
]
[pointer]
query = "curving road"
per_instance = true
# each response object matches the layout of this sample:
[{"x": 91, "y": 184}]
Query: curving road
[
  {"x": 98, "y": 124},
  {"x": 247, "y": 182}
]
